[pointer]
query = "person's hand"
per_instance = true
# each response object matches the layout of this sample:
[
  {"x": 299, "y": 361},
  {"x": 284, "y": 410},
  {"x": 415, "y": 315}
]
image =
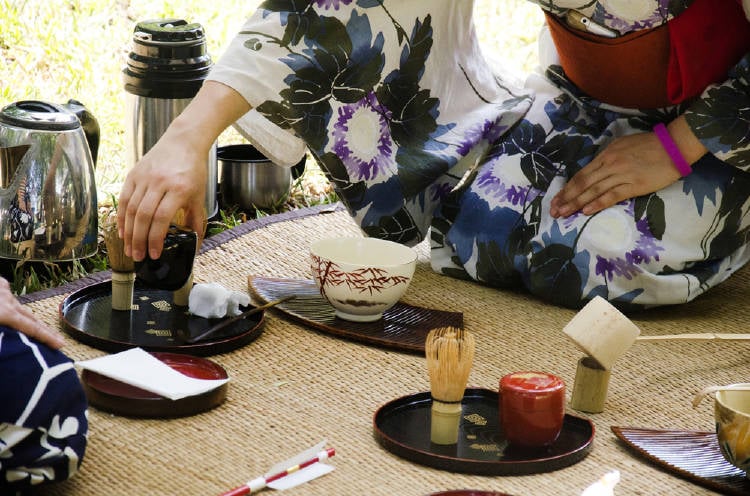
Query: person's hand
[
  {"x": 630, "y": 166},
  {"x": 19, "y": 317},
  {"x": 170, "y": 177}
]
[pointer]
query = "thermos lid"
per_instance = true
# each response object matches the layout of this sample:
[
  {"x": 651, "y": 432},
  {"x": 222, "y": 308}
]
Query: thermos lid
[
  {"x": 39, "y": 115},
  {"x": 169, "y": 59}
]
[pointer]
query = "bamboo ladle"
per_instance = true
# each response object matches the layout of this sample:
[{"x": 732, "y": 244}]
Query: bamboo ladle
[
  {"x": 605, "y": 334},
  {"x": 713, "y": 389},
  {"x": 707, "y": 336}
]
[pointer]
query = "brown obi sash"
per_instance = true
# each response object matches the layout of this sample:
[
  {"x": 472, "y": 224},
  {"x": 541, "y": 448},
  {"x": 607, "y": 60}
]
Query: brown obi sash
[
  {"x": 628, "y": 71},
  {"x": 656, "y": 67}
]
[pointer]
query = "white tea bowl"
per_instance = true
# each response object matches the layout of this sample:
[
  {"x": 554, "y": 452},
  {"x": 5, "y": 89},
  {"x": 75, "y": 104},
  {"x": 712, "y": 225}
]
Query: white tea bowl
[
  {"x": 361, "y": 277},
  {"x": 732, "y": 415}
]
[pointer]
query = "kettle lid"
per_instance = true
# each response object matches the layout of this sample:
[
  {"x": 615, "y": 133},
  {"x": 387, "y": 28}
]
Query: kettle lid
[
  {"x": 169, "y": 59},
  {"x": 39, "y": 115},
  {"x": 168, "y": 31}
]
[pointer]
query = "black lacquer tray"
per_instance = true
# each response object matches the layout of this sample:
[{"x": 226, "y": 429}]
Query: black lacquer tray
[
  {"x": 155, "y": 323},
  {"x": 403, "y": 428}
]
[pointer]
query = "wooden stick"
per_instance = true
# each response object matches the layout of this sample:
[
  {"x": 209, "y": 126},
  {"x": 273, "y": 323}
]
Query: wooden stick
[
  {"x": 232, "y": 320},
  {"x": 696, "y": 337}
]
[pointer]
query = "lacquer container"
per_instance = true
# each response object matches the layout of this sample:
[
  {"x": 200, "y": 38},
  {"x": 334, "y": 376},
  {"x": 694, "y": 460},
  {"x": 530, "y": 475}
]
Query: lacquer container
[
  {"x": 173, "y": 268},
  {"x": 532, "y": 408}
]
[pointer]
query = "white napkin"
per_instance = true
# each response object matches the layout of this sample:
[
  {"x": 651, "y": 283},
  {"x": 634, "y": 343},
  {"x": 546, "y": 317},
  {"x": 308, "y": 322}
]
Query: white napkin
[{"x": 143, "y": 370}]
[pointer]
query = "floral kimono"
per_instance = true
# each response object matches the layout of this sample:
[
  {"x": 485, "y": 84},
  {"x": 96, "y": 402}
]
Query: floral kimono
[
  {"x": 43, "y": 418},
  {"x": 421, "y": 137}
]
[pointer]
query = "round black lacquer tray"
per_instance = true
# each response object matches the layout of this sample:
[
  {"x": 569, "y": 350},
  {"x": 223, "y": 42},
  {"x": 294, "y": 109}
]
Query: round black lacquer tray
[
  {"x": 403, "y": 428},
  {"x": 111, "y": 395},
  {"x": 154, "y": 323}
]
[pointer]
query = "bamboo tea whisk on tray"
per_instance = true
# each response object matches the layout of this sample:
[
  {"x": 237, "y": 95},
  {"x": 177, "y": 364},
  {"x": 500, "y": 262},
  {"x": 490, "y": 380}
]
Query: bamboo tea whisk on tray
[
  {"x": 123, "y": 267},
  {"x": 450, "y": 355}
]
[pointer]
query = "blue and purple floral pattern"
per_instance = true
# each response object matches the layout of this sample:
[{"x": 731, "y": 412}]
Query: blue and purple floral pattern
[
  {"x": 362, "y": 139},
  {"x": 422, "y": 139},
  {"x": 43, "y": 420}
]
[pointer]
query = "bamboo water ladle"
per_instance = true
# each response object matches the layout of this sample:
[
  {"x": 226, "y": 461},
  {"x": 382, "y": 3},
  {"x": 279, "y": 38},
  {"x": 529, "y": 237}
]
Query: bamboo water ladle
[
  {"x": 707, "y": 336},
  {"x": 605, "y": 334},
  {"x": 713, "y": 389}
]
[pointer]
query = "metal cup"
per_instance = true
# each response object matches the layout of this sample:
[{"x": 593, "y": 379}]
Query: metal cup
[{"x": 250, "y": 180}]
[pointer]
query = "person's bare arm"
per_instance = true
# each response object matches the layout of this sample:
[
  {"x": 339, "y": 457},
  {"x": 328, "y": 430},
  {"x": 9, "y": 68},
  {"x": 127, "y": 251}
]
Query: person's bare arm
[{"x": 172, "y": 175}]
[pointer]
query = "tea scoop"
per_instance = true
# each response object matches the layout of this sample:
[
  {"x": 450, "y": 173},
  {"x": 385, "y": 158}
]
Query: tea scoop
[{"x": 221, "y": 325}]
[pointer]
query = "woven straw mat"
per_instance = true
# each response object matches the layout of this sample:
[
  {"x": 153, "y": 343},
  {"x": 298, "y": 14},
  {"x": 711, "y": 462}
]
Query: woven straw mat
[{"x": 294, "y": 386}]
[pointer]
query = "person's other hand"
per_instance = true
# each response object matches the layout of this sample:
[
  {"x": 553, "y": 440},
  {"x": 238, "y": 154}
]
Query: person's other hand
[
  {"x": 630, "y": 166},
  {"x": 19, "y": 317},
  {"x": 170, "y": 177}
]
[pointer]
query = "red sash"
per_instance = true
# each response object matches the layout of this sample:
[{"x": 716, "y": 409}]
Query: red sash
[
  {"x": 660, "y": 66},
  {"x": 706, "y": 40}
]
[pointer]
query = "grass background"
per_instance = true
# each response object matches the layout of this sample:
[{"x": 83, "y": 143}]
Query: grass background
[{"x": 54, "y": 50}]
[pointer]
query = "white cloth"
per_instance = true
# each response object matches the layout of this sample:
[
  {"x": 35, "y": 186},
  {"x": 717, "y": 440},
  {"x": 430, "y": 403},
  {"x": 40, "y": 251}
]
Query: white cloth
[{"x": 212, "y": 300}]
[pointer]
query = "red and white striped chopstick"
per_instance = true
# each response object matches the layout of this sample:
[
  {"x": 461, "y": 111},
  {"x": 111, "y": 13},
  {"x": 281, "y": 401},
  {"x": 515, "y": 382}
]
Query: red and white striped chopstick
[{"x": 261, "y": 482}]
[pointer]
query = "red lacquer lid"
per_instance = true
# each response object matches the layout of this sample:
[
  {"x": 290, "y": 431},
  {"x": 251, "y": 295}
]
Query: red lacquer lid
[
  {"x": 532, "y": 391},
  {"x": 531, "y": 382}
]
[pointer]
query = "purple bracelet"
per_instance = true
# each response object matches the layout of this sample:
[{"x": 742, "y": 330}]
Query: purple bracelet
[{"x": 671, "y": 148}]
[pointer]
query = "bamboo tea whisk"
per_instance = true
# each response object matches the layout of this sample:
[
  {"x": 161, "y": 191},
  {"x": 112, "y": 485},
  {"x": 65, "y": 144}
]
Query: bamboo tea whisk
[
  {"x": 450, "y": 355},
  {"x": 123, "y": 267}
]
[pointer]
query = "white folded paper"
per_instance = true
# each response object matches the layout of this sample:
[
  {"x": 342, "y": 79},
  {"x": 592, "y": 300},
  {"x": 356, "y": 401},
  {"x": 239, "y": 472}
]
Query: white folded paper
[
  {"x": 301, "y": 476},
  {"x": 605, "y": 486},
  {"x": 143, "y": 370}
]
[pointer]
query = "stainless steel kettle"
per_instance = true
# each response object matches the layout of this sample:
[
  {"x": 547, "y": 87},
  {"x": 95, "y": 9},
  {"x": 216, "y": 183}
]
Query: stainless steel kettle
[{"x": 48, "y": 204}]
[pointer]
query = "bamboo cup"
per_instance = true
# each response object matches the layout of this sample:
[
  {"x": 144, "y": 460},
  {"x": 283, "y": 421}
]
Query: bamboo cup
[
  {"x": 590, "y": 386},
  {"x": 602, "y": 332}
]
